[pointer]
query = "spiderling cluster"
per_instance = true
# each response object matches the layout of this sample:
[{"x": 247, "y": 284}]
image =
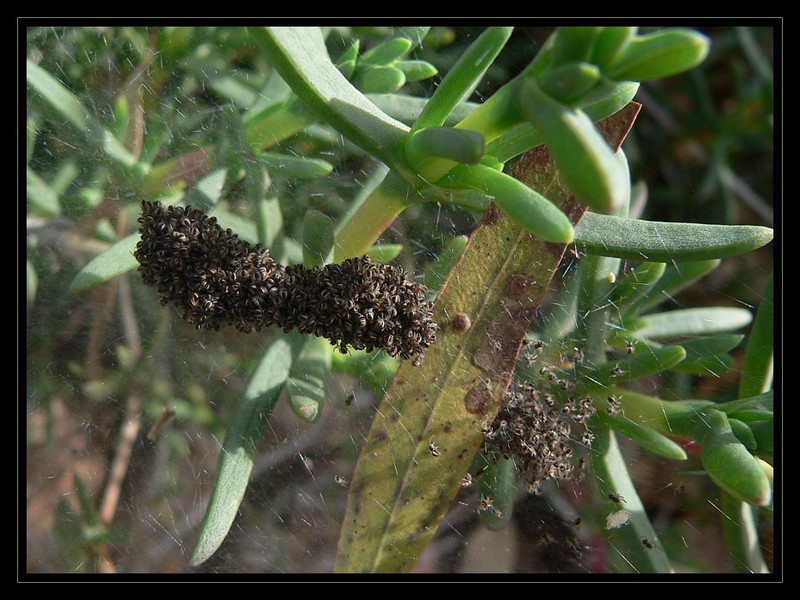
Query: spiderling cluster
[
  {"x": 538, "y": 434},
  {"x": 215, "y": 279}
]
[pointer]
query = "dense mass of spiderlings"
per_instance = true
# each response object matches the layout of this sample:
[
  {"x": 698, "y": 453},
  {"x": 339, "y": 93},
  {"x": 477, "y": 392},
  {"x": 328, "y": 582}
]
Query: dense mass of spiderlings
[
  {"x": 538, "y": 434},
  {"x": 215, "y": 280}
]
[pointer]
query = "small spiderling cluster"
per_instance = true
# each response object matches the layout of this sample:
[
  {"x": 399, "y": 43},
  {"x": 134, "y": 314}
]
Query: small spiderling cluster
[
  {"x": 215, "y": 279},
  {"x": 539, "y": 435}
]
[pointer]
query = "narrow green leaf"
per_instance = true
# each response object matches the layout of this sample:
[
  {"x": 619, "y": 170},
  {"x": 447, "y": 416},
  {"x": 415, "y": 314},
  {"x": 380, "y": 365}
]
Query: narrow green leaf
[
  {"x": 658, "y": 55},
  {"x": 635, "y": 366},
  {"x": 294, "y": 167},
  {"x": 386, "y": 52},
  {"x": 730, "y": 465},
  {"x": 407, "y": 108},
  {"x": 693, "y": 321},
  {"x": 348, "y": 59},
  {"x": 655, "y": 241},
  {"x": 459, "y": 81},
  {"x": 269, "y": 219},
  {"x": 758, "y": 357},
  {"x": 636, "y": 283},
  {"x": 241, "y": 440},
  {"x": 67, "y": 105},
  {"x": 416, "y": 70},
  {"x": 31, "y": 282},
  {"x": 677, "y": 276},
  {"x": 527, "y": 207},
  {"x": 57, "y": 95},
  {"x": 115, "y": 261},
  {"x": 709, "y": 355},
  {"x": 32, "y": 131},
  {"x": 649, "y": 439},
  {"x": 40, "y": 195},
  {"x": 611, "y": 473},
  {"x": 743, "y": 433},
  {"x": 753, "y": 408},
  {"x": 384, "y": 252},
  {"x": 740, "y": 531}
]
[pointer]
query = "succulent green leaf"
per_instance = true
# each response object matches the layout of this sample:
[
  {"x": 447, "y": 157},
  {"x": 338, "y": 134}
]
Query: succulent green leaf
[
  {"x": 67, "y": 105},
  {"x": 374, "y": 369},
  {"x": 635, "y": 366},
  {"x": 647, "y": 438},
  {"x": 387, "y": 52},
  {"x": 758, "y": 357},
  {"x": 524, "y": 136},
  {"x": 379, "y": 79},
  {"x": 754, "y": 408},
  {"x": 709, "y": 355},
  {"x": 40, "y": 194},
  {"x": 384, "y": 252},
  {"x": 115, "y": 261},
  {"x": 437, "y": 271},
  {"x": 295, "y": 167},
  {"x": 573, "y": 44},
  {"x": 677, "y": 276},
  {"x": 63, "y": 101},
  {"x": 636, "y": 282},
  {"x": 609, "y": 235},
  {"x": 459, "y": 145},
  {"x": 570, "y": 82},
  {"x": 348, "y": 59},
  {"x": 416, "y": 70},
  {"x": 612, "y": 475},
  {"x": 611, "y": 42},
  {"x": 241, "y": 440},
  {"x": 658, "y": 55},
  {"x": 730, "y": 465},
  {"x": 585, "y": 160},
  {"x": 693, "y": 321},
  {"x": 462, "y": 77},
  {"x": 527, "y": 207}
]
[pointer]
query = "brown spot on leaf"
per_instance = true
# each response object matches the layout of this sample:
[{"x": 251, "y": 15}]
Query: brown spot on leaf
[
  {"x": 517, "y": 286},
  {"x": 477, "y": 400}
]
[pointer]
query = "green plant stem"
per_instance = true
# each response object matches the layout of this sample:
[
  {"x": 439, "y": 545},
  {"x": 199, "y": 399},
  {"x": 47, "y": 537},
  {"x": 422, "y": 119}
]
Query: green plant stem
[{"x": 372, "y": 217}]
